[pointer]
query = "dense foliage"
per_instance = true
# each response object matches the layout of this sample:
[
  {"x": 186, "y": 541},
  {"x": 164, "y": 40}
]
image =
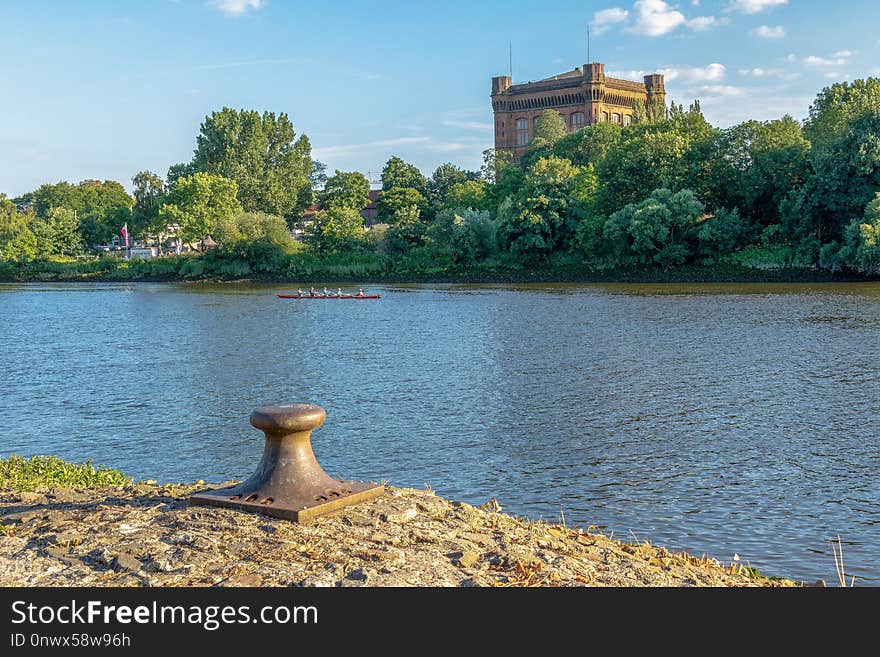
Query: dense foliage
[{"x": 669, "y": 190}]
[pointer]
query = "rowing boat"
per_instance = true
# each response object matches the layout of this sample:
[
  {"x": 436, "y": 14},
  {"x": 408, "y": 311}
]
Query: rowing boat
[{"x": 296, "y": 296}]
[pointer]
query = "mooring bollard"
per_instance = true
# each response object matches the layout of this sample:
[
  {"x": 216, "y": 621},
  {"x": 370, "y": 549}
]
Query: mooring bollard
[{"x": 289, "y": 483}]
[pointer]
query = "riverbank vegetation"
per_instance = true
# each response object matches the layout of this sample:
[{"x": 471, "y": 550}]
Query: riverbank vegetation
[
  {"x": 22, "y": 474},
  {"x": 669, "y": 197}
]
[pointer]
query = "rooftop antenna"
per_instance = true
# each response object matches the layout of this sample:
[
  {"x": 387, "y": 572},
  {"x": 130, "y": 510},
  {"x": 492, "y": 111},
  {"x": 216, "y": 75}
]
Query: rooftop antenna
[
  {"x": 589, "y": 61},
  {"x": 510, "y": 60}
]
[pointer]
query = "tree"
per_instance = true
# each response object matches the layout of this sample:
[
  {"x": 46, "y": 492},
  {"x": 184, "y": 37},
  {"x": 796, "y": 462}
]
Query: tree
[
  {"x": 845, "y": 176},
  {"x": 197, "y": 203},
  {"x": 261, "y": 153},
  {"x": 658, "y": 230},
  {"x": 346, "y": 190},
  {"x": 149, "y": 193},
  {"x": 753, "y": 166},
  {"x": 445, "y": 176},
  {"x": 722, "y": 234},
  {"x": 465, "y": 236},
  {"x": 400, "y": 174},
  {"x": 861, "y": 250},
  {"x": 549, "y": 129},
  {"x": 337, "y": 228},
  {"x": 318, "y": 175},
  {"x": 543, "y": 215},
  {"x": 100, "y": 207},
  {"x": 589, "y": 145},
  {"x": 469, "y": 194},
  {"x": 17, "y": 241},
  {"x": 391, "y": 201},
  {"x": 252, "y": 227},
  {"x": 836, "y": 106}
]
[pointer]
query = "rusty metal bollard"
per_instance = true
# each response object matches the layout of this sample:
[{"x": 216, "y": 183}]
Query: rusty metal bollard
[{"x": 289, "y": 483}]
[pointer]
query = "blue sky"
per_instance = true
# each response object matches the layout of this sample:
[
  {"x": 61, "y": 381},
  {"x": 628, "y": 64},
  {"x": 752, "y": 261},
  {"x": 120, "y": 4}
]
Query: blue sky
[{"x": 103, "y": 88}]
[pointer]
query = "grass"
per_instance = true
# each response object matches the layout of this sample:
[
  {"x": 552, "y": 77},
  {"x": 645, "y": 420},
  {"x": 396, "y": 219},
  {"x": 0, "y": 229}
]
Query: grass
[
  {"x": 22, "y": 474},
  {"x": 837, "y": 549}
]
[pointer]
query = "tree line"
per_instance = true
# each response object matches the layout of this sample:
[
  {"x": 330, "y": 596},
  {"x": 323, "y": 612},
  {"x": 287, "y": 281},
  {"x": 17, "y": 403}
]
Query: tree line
[{"x": 669, "y": 189}]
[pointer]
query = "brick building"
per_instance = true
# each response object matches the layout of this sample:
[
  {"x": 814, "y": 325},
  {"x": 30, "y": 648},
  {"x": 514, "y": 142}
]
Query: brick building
[{"x": 582, "y": 97}]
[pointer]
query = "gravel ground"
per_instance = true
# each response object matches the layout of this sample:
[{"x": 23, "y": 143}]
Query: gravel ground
[{"x": 147, "y": 535}]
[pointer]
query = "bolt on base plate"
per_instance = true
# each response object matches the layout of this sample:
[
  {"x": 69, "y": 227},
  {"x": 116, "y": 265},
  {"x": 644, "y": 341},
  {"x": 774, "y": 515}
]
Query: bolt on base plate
[{"x": 347, "y": 493}]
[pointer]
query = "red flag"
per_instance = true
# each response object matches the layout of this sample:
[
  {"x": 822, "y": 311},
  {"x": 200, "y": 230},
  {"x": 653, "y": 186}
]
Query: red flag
[{"x": 124, "y": 232}]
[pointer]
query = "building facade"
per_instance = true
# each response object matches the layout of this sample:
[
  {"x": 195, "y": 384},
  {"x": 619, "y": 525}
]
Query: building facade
[{"x": 582, "y": 97}]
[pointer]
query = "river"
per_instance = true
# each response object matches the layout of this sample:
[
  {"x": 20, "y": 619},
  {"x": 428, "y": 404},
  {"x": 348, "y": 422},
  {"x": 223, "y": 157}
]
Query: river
[{"x": 719, "y": 419}]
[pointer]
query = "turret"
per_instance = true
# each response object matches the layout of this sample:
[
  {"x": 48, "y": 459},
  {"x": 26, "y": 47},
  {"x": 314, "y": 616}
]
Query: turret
[
  {"x": 594, "y": 73},
  {"x": 501, "y": 84}
]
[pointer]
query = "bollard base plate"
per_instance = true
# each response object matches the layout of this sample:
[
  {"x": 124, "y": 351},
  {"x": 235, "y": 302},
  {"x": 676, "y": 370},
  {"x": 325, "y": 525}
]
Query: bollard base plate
[{"x": 297, "y": 510}]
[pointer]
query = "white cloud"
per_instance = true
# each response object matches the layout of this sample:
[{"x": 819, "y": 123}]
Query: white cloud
[
  {"x": 767, "y": 32},
  {"x": 875, "y": 71},
  {"x": 832, "y": 75},
  {"x": 704, "y": 23},
  {"x": 753, "y": 6},
  {"x": 844, "y": 53},
  {"x": 686, "y": 75},
  {"x": 236, "y": 7},
  {"x": 350, "y": 149},
  {"x": 791, "y": 57},
  {"x": 468, "y": 125},
  {"x": 718, "y": 90},
  {"x": 758, "y": 72},
  {"x": 603, "y": 20},
  {"x": 655, "y": 18},
  {"x": 838, "y": 59}
]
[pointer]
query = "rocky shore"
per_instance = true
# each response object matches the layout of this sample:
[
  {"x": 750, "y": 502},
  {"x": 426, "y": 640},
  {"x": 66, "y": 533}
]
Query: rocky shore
[{"x": 147, "y": 535}]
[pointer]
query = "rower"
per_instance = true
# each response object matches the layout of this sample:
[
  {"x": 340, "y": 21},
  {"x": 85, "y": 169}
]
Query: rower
[
  {"x": 338, "y": 291},
  {"x": 300, "y": 292},
  {"x": 361, "y": 293},
  {"x": 312, "y": 292},
  {"x": 326, "y": 293}
]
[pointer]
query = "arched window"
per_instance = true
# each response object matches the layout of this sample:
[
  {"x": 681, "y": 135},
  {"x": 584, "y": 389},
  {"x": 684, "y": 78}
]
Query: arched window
[
  {"x": 604, "y": 116},
  {"x": 577, "y": 120},
  {"x": 522, "y": 132},
  {"x": 627, "y": 119},
  {"x": 615, "y": 118}
]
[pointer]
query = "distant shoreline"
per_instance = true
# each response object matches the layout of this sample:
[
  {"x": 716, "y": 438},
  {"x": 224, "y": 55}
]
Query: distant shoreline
[{"x": 482, "y": 275}]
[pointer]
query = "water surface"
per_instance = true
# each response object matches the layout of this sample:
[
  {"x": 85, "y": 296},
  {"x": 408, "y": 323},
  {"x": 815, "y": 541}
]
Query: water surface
[{"x": 712, "y": 418}]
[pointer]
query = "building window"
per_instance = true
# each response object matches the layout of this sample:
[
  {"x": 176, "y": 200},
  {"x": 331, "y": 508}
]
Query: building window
[
  {"x": 522, "y": 132},
  {"x": 615, "y": 117},
  {"x": 577, "y": 120},
  {"x": 605, "y": 116},
  {"x": 627, "y": 119}
]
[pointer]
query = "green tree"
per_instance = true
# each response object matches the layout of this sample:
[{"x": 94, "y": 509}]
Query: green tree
[
  {"x": 149, "y": 194},
  {"x": 469, "y": 194},
  {"x": 549, "y": 129},
  {"x": 465, "y": 236},
  {"x": 346, "y": 190},
  {"x": 197, "y": 203},
  {"x": 262, "y": 154},
  {"x": 391, "y": 201},
  {"x": 753, "y": 166},
  {"x": 861, "y": 251},
  {"x": 251, "y": 227},
  {"x": 589, "y": 145},
  {"x": 845, "y": 177},
  {"x": 446, "y": 176},
  {"x": 836, "y": 106},
  {"x": 658, "y": 230},
  {"x": 398, "y": 174},
  {"x": 543, "y": 215},
  {"x": 722, "y": 234},
  {"x": 338, "y": 228},
  {"x": 17, "y": 241}
]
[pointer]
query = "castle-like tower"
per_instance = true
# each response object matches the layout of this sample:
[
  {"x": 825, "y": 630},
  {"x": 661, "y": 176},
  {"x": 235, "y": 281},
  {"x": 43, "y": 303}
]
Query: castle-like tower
[{"x": 582, "y": 97}]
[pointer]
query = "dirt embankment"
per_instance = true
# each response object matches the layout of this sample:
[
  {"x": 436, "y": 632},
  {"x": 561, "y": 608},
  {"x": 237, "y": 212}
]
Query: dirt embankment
[{"x": 147, "y": 535}]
